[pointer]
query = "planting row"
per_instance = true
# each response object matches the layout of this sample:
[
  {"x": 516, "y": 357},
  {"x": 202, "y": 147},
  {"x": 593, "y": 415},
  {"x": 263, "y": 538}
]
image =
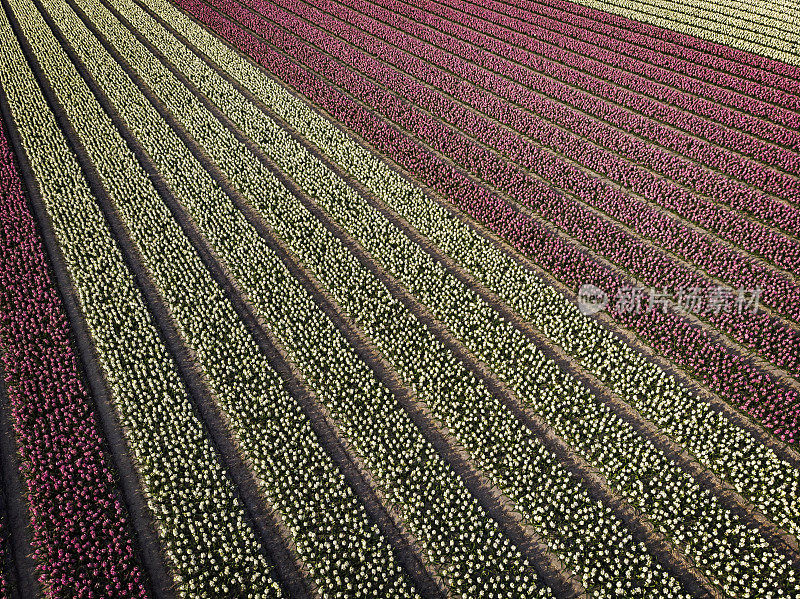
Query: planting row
[
  {"x": 689, "y": 346},
  {"x": 567, "y": 19},
  {"x": 642, "y": 217},
  {"x": 737, "y": 18},
  {"x": 328, "y": 524},
  {"x": 199, "y": 520},
  {"x": 81, "y": 534},
  {"x": 519, "y": 99},
  {"x": 418, "y": 483},
  {"x": 681, "y": 415},
  {"x": 724, "y": 57},
  {"x": 714, "y": 103},
  {"x": 320, "y": 251},
  {"x": 394, "y": 330},
  {"x": 729, "y": 34},
  {"x": 524, "y": 68},
  {"x": 5, "y": 556},
  {"x": 539, "y": 303}
]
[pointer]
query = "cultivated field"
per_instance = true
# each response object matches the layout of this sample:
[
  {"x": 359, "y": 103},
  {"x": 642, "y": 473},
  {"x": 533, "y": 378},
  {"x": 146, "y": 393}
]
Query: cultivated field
[{"x": 381, "y": 299}]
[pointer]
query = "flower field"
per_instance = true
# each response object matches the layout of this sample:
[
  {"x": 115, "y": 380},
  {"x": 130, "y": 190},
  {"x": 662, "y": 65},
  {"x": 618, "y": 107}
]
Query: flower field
[{"x": 383, "y": 299}]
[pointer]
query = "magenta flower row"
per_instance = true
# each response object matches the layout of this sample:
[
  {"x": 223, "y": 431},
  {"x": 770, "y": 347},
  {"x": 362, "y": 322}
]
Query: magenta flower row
[
  {"x": 4, "y": 554},
  {"x": 733, "y": 377},
  {"x": 653, "y": 52},
  {"x": 82, "y": 540},
  {"x": 524, "y": 69},
  {"x": 779, "y": 343},
  {"x": 672, "y": 233},
  {"x": 700, "y": 51},
  {"x": 641, "y": 95},
  {"x": 477, "y": 68},
  {"x": 531, "y": 72},
  {"x": 663, "y": 83}
]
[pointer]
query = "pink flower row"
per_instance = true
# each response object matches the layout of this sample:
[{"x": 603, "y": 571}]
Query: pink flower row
[
  {"x": 664, "y": 84},
  {"x": 536, "y": 92},
  {"x": 636, "y": 92},
  {"x": 667, "y": 230},
  {"x": 532, "y": 72},
  {"x": 778, "y": 343},
  {"x": 654, "y": 53},
  {"x": 695, "y": 50},
  {"x": 693, "y": 348},
  {"x": 82, "y": 541}
]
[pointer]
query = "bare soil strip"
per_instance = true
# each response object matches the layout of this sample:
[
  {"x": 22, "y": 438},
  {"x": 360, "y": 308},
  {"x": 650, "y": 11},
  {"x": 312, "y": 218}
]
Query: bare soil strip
[{"x": 22, "y": 568}]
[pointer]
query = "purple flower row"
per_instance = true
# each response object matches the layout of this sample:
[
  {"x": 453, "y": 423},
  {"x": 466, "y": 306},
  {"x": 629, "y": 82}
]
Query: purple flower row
[
  {"x": 693, "y": 348},
  {"x": 676, "y": 167},
  {"x": 684, "y": 171},
  {"x": 775, "y": 341},
  {"x": 618, "y": 105},
  {"x": 722, "y": 189},
  {"x": 82, "y": 541},
  {"x": 726, "y": 59},
  {"x": 560, "y": 36},
  {"x": 670, "y": 232},
  {"x": 519, "y": 66},
  {"x": 653, "y": 52},
  {"x": 633, "y": 91}
]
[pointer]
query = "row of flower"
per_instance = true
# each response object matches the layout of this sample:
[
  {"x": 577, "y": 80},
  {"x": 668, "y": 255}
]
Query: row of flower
[
  {"x": 743, "y": 384},
  {"x": 718, "y": 57},
  {"x": 753, "y": 18},
  {"x": 522, "y": 101},
  {"x": 757, "y": 100},
  {"x": 555, "y": 15},
  {"x": 451, "y": 391},
  {"x": 718, "y": 104},
  {"x": 691, "y": 347},
  {"x": 199, "y": 520},
  {"x": 725, "y": 38},
  {"x": 747, "y": 22},
  {"x": 690, "y": 422},
  {"x": 650, "y": 222},
  {"x": 433, "y": 502},
  {"x": 524, "y": 70},
  {"x": 81, "y": 534},
  {"x": 697, "y": 114},
  {"x": 328, "y": 524}
]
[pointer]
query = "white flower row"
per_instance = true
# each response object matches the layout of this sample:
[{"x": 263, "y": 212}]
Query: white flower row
[
  {"x": 451, "y": 391},
  {"x": 468, "y": 547},
  {"x": 330, "y": 527},
  {"x": 200, "y": 521},
  {"x": 482, "y": 335},
  {"x": 456, "y": 398},
  {"x": 754, "y": 470},
  {"x": 770, "y": 12}
]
